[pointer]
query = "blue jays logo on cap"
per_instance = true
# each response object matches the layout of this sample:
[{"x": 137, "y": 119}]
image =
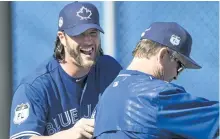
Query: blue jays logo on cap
[
  {"x": 84, "y": 13},
  {"x": 77, "y": 17},
  {"x": 175, "y": 37}
]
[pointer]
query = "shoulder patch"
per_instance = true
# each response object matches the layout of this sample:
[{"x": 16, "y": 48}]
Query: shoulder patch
[{"x": 21, "y": 113}]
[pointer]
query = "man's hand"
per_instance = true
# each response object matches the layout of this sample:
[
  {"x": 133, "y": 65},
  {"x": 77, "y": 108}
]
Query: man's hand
[{"x": 83, "y": 129}]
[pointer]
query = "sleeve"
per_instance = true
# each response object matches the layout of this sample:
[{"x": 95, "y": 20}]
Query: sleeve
[
  {"x": 28, "y": 114},
  {"x": 188, "y": 116}
]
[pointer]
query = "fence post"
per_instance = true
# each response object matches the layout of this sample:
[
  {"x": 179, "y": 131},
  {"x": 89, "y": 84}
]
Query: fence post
[{"x": 5, "y": 68}]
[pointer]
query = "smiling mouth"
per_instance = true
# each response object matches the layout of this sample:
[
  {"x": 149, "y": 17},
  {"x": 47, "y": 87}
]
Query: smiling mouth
[{"x": 87, "y": 51}]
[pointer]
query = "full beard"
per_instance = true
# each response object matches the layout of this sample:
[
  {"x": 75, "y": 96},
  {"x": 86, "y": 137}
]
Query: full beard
[{"x": 79, "y": 60}]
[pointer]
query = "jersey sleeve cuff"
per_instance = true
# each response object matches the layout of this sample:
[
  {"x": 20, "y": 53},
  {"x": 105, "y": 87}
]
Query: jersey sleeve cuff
[{"x": 24, "y": 134}]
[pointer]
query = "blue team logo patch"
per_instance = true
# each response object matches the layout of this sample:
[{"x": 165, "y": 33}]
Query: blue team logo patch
[{"x": 21, "y": 113}]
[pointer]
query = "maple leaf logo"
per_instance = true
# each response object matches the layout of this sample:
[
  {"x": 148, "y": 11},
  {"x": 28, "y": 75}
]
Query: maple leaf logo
[{"x": 84, "y": 13}]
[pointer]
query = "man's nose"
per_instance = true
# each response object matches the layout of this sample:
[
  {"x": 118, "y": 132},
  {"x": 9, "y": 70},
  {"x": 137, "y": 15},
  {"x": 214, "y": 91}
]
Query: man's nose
[{"x": 88, "y": 40}]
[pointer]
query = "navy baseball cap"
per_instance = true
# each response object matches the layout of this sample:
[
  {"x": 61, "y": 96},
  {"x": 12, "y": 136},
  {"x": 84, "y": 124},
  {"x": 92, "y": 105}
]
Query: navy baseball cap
[
  {"x": 175, "y": 37},
  {"x": 77, "y": 17}
]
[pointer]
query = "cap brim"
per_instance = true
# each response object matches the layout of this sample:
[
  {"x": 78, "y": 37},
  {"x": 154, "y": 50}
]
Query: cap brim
[
  {"x": 77, "y": 30},
  {"x": 188, "y": 62}
]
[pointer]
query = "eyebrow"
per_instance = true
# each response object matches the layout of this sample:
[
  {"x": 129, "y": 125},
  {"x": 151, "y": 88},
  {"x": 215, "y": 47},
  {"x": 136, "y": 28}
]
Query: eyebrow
[{"x": 94, "y": 30}]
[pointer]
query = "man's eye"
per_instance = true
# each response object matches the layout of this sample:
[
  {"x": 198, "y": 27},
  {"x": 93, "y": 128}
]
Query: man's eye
[{"x": 93, "y": 33}]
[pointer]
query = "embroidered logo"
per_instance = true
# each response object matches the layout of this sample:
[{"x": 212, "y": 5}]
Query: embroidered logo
[
  {"x": 61, "y": 22},
  {"x": 21, "y": 113},
  {"x": 84, "y": 13},
  {"x": 175, "y": 40},
  {"x": 115, "y": 84}
]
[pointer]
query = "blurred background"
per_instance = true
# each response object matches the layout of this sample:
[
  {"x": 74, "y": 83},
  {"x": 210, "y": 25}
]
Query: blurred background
[{"x": 28, "y": 32}]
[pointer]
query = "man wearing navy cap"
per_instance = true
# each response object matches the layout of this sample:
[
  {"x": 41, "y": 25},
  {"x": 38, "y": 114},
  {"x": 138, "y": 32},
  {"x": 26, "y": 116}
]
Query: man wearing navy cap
[
  {"x": 141, "y": 103},
  {"x": 57, "y": 100}
]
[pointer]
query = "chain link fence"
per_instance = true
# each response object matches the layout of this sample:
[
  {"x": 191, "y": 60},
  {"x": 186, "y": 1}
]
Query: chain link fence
[
  {"x": 34, "y": 28},
  {"x": 201, "y": 19}
]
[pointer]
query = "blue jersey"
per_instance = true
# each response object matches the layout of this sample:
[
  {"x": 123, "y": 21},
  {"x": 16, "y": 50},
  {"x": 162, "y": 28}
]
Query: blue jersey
[
  {"x": 139, "y": 106},
  {"x": 50, "y": 101}
]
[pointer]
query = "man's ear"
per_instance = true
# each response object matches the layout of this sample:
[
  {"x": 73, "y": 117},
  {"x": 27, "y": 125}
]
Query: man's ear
[
  {"x": 161, "y": 56},
  {"x": 62, "y": 37}
]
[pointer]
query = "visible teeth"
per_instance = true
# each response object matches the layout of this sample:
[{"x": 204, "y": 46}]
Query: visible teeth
[{"x": 86, "y": 49}]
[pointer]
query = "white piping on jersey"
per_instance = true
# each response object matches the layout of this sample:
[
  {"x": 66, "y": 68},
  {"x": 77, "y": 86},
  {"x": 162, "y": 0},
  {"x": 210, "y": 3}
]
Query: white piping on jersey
[
  {"x": 151, "y": 78},
  {"x": 95, "y": 109},
  {"x": 24, "y": 133},
  {"x": 84, "y": 89},
  {"x": 93, "y": 113},
  {"x": 124, "y": 75}
]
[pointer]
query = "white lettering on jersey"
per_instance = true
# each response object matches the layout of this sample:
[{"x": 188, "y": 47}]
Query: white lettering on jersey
[
  {"x": 66, "y": 119},
  {"x": 89, "y": 111}
]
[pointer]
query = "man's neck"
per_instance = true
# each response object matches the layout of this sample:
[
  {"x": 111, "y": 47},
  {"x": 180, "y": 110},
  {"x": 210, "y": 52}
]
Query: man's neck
[
  {"x": 143, "y": 65},
  {"x": 73, "y": 70}
]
